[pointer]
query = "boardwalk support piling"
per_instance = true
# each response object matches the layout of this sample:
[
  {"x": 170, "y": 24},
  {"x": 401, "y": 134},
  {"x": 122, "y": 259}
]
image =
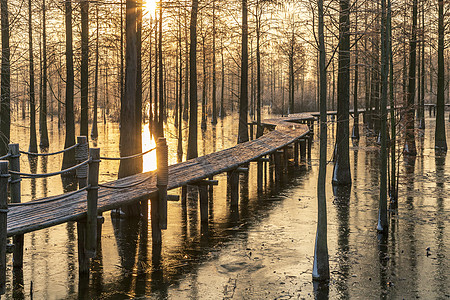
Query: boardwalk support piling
[
  {"x": 296, "y": 153},
  {"x": 302, "y": 150},
  {"x": 203, "y": 193},
  {"x": 14, "y": 165},
  {"x": 277, "y": 160},
  {"x": 162, "y": 179},
  {"x": 4, "y": 175},
  {"x": 82, "y": 154},
  {"x": 83, "y": 259},
  {"x": 92, "y": 198},
  {"x": 233, "y": 182}
]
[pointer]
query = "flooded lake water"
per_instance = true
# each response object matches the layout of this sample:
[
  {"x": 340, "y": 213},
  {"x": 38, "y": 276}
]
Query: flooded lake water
[{"x": 262, "y": 251}]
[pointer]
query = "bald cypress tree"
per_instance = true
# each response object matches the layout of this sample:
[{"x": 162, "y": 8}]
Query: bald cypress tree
[
  {"x": 341, "y": 172},
  {"x": 440, "y": 145},
  {"x": 5, "y": 94},
  {"x": 243, "y": 99}
]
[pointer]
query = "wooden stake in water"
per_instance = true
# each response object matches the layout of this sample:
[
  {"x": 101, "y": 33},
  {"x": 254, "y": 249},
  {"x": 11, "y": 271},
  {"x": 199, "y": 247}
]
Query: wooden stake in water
[
  {"x": 92, "y": 199},
  {"x": 4, "y": 175},
  {"x": 14, "y": 164}
]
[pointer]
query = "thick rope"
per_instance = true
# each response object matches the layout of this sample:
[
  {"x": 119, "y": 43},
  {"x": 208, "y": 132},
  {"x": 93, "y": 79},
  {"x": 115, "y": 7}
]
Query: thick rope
[
  {"x": 128, "y": 157},
  {"x": 48, "y": 154},
  {"x": 82, "y": 154},
  {"x": 124, "y": 186},
  {"x": 5, "y": 156},
  {"x": 27, "y": 175},
  {"x": 49, "y": 200}
]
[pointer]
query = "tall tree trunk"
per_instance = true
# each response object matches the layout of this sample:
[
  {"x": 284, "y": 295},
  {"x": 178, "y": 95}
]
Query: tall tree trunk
[
  {"x": 422, "y": 81},
  {"x": 138, "y": 114},
  {"x": 69, "y": 156},
  {"x": 222, "y": 91},
  {"x": 243, "y": 101},
  {"x": 5, "y": 94},
  {"x": 382, "y": 212},
  {"x": 440, "y": 145},
  {"x": 180, "y": 96},
  {"x": 410, "y": 143},
  {"x": 128, "y": 135},
  {"x": 94, "y": 130},
  {"x": 203, "y": 123},
  {"x": 393, "y": 185},
  {"x": 321, "y": 269},
  {"x": 259, "y": 128},
  {"x": 355, "y": 133},
  {"x": 161, "y": 86},
  {"x": 155, "y": 114},
  {"x": 43, "y": 103},
  {"x": 84, "y": 126},
  {"x": 341, "y": 172},
  {"x": 192, "y": 151},
  {"x": 186, "y": 72},
  {"x": 214, "y": 87},
  {"x": 33, "y": 140}
]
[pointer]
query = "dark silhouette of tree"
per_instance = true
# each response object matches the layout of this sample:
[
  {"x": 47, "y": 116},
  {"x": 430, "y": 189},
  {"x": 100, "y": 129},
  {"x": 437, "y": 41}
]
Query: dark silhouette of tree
[
  {"x": 440, "y": 144},
  {"x": 192, "y": 151},
  {"x": 94, "y": 130},
  {"x": 321, "y": 268},
  {"x": 84, "y": 6},
  {"x": 33, "y": 140},
  {"x": 243, "y": 99},
  {"x": 341, "y": 172},
  {"x": 410, "y": 143},
  {"x": 44, "y": 143}
]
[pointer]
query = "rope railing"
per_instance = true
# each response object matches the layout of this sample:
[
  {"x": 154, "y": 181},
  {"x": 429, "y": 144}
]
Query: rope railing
[
  {"x": 5, "y": 156},
  {"x": 128, "y": 157},
  {"x": 29, "y": 175},
  {"x": 49, "y": 154},
  {"x": 114, "y": 187},
  {"x": 63, "y": 196}
]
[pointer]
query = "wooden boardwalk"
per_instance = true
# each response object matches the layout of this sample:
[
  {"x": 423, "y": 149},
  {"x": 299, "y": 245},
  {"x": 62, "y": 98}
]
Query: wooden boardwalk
[{"x": 45, "y": 213}]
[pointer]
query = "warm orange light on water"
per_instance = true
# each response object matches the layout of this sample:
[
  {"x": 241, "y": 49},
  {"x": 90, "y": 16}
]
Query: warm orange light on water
[{"x": 148, "y": 142}]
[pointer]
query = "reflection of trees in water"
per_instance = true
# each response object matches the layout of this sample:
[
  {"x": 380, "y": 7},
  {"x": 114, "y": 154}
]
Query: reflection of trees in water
[
  {"x": 411, "y": 219},
  {"x": 342, "y": 204},
  {"x": 441, "y": 216},
  {"x": 139, "y": 277}
]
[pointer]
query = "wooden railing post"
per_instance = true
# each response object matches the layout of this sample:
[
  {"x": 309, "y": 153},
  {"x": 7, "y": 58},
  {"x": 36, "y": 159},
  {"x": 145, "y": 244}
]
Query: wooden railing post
[
  {"x": 14, "y": 186},
  {"x": 92, "y": 199},
  {"x": 82, "y": 154},
  {"x": 162, "y": 179},
  {"x": 4, "y": 175}
]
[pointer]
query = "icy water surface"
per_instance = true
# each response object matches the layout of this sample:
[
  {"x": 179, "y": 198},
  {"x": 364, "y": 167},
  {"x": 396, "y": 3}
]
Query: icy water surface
[{"x": 262, "y": 251}]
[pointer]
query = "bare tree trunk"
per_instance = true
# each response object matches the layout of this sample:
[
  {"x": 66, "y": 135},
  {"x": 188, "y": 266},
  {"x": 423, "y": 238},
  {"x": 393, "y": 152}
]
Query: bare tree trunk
[
  {"x": 84, "y": 125},
  {"x": 440, "y": 145},
  {"x": 355, "y": 133},
  {"x": 69, "y": 156},
  {"x": 222, "y": 106},
  {"x": 321, "y": 269},
  {"x": 214, "y": 87},
  {"x": 33, "y": 140},
  {"x": 192, "y": 151},
  {"x": 138, "y": 114},
  {"x": 161, "y": 86},
  {"x": 410, "y": 143},
  {"x": 43, "y": 105},
  {"x": 382, "y": 212},
  {"x": 341, "y": 172},
  {"x": 94, "y": 130},
  {"x": 259, "y": 129},
  {"x": 243, "y": 101}
]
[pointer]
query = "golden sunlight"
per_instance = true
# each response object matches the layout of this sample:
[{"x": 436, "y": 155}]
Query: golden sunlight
[
  {"x": 148, "y": 142},
  {"x": 149, "y": 7}
]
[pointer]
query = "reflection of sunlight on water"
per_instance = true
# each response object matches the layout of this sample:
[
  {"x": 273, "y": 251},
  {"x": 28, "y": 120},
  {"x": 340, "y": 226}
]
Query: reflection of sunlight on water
[{"x": 148, "y": 142}]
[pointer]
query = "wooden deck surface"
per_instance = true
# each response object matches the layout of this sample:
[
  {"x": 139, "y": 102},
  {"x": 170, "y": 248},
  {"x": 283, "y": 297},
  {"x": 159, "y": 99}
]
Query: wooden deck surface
[{"x": 27, "y": 218}]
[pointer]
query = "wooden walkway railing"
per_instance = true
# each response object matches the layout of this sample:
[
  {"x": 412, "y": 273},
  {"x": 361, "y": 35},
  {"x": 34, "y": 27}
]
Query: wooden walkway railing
[{"x": 93, "y": 199}]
